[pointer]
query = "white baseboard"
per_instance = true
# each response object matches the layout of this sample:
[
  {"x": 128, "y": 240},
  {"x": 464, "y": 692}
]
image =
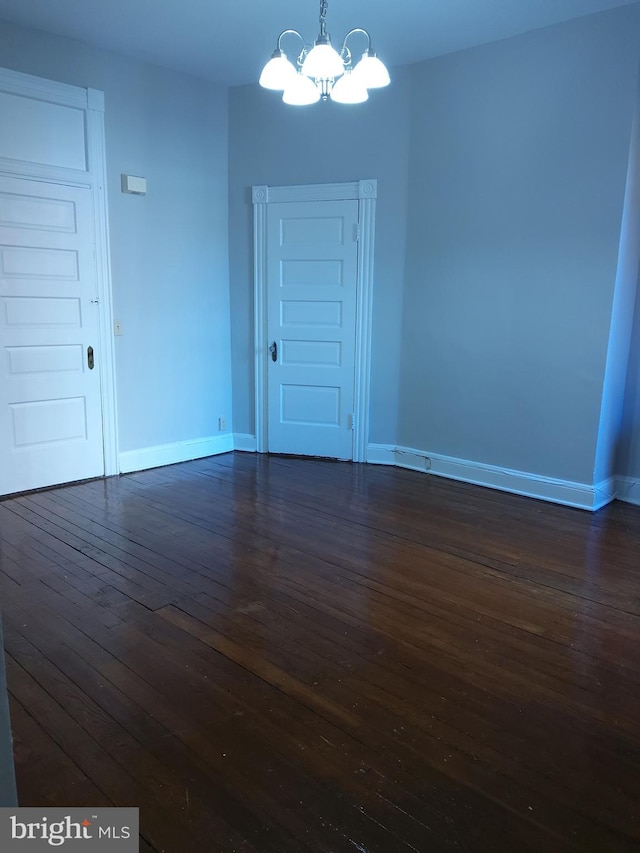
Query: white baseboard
[
  {"x": 566, "y": 492},
  {"x": 604, "y": 492},
  {"x": 244, "y": 441},
  {"x": 169, "y": 454},
  {"x": 628, "y": 490},
  {"x": 382, "y": 454}
]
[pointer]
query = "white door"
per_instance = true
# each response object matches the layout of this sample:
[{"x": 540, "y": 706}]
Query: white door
[
  {"x": 50, "y": 403},
  {"x": 312, "y": 259}
]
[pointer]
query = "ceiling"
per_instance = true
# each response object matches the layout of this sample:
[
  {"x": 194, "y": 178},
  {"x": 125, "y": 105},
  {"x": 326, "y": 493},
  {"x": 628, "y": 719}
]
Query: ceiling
[{"x": 228, "y": 41}]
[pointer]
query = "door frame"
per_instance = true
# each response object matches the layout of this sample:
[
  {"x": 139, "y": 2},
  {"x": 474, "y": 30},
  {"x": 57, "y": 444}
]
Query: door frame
[
  {"x": 366, "y": 193},
  {"x": 94, "y": 177}
]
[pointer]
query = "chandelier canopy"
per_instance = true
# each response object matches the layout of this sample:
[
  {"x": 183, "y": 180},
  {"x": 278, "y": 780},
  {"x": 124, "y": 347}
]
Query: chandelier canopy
[{"x": 321, "y": 72}]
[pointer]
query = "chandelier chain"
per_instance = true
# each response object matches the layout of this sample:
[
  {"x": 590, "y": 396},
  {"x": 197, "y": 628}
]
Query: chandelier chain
[{"x": 323, "y": 17}]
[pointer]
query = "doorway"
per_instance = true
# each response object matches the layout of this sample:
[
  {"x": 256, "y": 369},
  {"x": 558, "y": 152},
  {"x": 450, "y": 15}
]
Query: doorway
[
  {"x": 57, "y": 400},
  {"x": 313, "y": 300}
]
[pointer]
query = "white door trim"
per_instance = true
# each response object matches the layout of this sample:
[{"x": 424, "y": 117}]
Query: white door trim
[
  {"x": 91, "y": 102},
  {"x": 366, "y": 193}
]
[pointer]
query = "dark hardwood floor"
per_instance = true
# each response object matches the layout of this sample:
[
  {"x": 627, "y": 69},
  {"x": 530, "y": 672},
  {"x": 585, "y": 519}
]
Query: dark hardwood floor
[{"x": 270, "y": 654}]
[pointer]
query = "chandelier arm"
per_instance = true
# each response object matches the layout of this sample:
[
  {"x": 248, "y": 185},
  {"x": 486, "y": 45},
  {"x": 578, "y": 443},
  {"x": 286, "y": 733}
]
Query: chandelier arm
[
  {"x": 294, "y": 32},
  {"x": 352, "y": 32},
  {"x": 304, "y": 50}
]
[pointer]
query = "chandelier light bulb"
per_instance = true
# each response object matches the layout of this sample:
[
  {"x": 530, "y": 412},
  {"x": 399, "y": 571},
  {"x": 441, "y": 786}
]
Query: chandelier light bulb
[
  {"x": 349, "y": 90},
  {"x": 323, "y": 63},
  {"x": 371, "y": 71},
  {"x": 301, "y": 91},
  {"x": 278, "y": 72}
]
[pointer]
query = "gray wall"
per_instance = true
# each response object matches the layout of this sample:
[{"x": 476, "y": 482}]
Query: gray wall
[
  {"x": 169, "y": 250},
  {"x": 508, "y": 351},
  {"x": 519, "y": 153},
  {"x": 621, "y": 329},
  {"x": 270, "y": 143},
  {"x": 501, "y": 177},
  {"x": 628, "y": 463}
]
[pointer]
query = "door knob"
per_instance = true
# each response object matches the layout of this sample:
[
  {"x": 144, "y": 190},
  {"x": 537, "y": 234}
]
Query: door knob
[
  {"x": 273, "y": 349},
  {"x": 90, "y": 357}
]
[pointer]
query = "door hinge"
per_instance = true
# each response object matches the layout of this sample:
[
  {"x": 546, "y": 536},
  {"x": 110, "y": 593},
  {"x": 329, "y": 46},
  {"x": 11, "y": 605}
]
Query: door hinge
[
  {"x": 356, "y": 233},
  {"x": 351, "y": 422}
]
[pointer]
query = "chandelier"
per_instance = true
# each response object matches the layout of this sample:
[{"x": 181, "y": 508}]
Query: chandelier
[{"x": 321, "y": 72}]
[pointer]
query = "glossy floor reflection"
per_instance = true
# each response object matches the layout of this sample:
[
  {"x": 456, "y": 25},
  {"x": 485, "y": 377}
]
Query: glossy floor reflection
[{"x": 270, "y": 654}]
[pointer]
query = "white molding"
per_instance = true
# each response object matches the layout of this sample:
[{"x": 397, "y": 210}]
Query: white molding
[
  {"x": 51, "y": 174},
  {"x": 365, "y": 192},
  {"x": 97, "y": 162},
  {"x": 259, "y": 194},
  {"x": 368, "y": 189},
  {"x": 41, "y": 89},
  {"x": 244, "y": 442},
  {"x": 170, "y": 454},
  {"x": 365, "y": 189},
  {"x": 260, "y": 317},
  {"x": 381, "y": 454},
  {"x": 604, "y": 492},
  {"x": 364, "y": 317},
  {"x": 565, "y": 492},
  {"x": 95, "y": 100},
  {"x": 628, "y": 490}
]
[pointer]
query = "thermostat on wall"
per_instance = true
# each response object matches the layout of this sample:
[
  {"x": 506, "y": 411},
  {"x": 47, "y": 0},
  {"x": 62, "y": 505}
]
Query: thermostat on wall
[{"x": 132, "y": 184}]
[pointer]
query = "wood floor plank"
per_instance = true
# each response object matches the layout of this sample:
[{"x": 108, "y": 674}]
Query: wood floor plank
[
  {"x": 280, "y": 654},
  {"x": 43, "y": 769}
]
